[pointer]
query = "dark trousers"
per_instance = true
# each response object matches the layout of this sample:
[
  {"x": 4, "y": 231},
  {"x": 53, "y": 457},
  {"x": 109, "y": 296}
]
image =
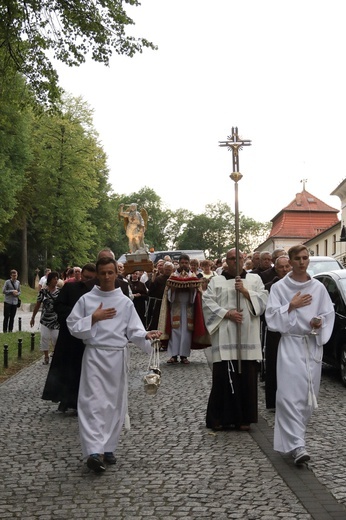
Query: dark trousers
[
  {"x": 9, "y": 314},
  {"x": 271, "y": 354}
]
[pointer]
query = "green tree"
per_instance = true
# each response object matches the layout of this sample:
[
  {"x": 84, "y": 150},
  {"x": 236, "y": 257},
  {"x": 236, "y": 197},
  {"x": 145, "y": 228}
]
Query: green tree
[
  {"x": 195, "y": 233},
  {"x": 214, "y": 231},
  {"x": 211, "y": 231},
  {"x": 156, "y": 235},
  {"x": 101, "y": 216},
  {"x": 14, "y": 148},
  {"x": 117, "y": 239},
  {"x": 178, "y": 221},
  {"x": 252, "y": 233},
  {"x": 31, "y": 31},
  {"x": 65, "y": 185},
  {"x": 158, "y": 217}
]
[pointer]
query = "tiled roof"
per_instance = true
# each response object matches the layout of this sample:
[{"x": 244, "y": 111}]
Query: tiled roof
[
  {"x": 304, "y": 201},
  {"x": 304, "y": 217}
]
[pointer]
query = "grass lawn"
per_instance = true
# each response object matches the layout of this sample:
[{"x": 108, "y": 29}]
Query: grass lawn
[
  {"x": 14, "y": 362},
  {"x": 28, "y": 295}
]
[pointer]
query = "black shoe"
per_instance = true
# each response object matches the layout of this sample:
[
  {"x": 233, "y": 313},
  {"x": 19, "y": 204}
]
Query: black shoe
[
  {"x": 96, "y": 463},
  {"x": 109, "y": 458}
]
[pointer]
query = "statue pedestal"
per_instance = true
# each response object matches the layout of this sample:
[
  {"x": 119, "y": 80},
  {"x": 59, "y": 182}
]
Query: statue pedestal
[{"x": 137, "y": 262}]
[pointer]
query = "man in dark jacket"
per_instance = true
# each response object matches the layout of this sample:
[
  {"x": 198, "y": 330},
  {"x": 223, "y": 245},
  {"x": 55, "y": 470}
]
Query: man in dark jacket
[
  {"x": 269, "y": 274},
  {"x": 64, "y": 373}
]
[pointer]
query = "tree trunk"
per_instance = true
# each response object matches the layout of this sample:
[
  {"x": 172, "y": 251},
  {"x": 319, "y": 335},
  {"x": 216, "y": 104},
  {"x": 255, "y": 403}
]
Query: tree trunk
[{"x": 24, "y": 271}]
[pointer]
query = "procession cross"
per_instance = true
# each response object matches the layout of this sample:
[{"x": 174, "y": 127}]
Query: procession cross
[{"x": 235, "y": 143}]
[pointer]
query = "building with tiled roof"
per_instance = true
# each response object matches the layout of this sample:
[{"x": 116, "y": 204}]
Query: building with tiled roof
[
  {"x": 304, "y": 218},
  {"x": 326, "y": 243}
]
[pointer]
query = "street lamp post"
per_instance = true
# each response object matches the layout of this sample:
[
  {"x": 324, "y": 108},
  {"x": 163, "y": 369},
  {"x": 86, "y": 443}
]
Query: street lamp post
[{"x": 234, "y": 143}]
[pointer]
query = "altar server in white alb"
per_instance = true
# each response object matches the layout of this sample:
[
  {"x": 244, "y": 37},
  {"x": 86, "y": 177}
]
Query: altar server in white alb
[
  {"x": 293, "y": 304},
  {"x": 105, "y": 320}
]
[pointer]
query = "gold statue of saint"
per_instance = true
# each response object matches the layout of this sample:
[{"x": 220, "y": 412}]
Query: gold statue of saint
[{"x": 135, "y": 224}]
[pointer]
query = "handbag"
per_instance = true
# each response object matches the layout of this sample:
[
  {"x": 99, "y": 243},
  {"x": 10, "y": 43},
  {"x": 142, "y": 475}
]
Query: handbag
[{"x": 152, "y": 379}]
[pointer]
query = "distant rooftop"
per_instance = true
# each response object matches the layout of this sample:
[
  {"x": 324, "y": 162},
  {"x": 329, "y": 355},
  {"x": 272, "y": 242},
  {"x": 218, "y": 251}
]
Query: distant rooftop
[{"x": 304, "y": 217}]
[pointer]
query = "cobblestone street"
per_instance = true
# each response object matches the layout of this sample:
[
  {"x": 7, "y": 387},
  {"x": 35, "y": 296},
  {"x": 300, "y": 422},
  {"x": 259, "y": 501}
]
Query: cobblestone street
[{"x": 169, "y": 466}]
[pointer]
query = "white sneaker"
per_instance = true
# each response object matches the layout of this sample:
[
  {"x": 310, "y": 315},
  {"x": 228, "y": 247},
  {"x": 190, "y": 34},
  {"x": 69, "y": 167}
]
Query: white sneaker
[{"x": 300, "y": 455}]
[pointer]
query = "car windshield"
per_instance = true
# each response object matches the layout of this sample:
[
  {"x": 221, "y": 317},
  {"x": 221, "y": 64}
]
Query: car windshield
[{"x": 322, "y": 266}]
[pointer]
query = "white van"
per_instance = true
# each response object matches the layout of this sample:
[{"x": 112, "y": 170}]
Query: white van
[{"x": 157, "y": 255}]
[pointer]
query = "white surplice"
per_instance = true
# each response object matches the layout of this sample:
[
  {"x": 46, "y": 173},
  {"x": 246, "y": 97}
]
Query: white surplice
[
  {"x": 102, "y": 398},
  {"x": 299, "y": 356},
  {"x": 219, "y": 298}
]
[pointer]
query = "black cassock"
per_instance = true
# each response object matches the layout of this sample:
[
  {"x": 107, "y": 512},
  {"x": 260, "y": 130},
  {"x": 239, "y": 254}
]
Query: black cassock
[
  {"x": 62, "y": 382},
  {"x": 140, "y": 301}
]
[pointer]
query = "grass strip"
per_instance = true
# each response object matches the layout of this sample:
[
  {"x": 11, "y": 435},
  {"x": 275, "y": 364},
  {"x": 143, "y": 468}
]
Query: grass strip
[{"x": 28, "y": 356}]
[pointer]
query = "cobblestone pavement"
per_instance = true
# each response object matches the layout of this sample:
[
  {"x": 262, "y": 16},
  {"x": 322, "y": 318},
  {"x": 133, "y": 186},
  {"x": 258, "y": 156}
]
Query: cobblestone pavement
[{"x": 169, "y": 466}]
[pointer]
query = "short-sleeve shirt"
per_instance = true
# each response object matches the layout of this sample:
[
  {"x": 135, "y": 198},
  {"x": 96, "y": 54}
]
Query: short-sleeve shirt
[{"x": 49, "y": 317}]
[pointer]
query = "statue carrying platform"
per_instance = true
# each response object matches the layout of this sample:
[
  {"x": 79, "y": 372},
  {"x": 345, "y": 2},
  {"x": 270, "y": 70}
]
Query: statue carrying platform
[{"x": 137, "y": 262}]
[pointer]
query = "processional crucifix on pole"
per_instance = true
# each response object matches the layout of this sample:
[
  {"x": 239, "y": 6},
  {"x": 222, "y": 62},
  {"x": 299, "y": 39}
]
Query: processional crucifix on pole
[{"x": 235, "y": 143}]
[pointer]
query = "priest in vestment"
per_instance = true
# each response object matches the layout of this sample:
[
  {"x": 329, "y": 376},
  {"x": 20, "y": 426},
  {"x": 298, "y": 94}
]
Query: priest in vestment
[
  {"x": 233, "y": 398},
  {"x": 181, "y": 320}
]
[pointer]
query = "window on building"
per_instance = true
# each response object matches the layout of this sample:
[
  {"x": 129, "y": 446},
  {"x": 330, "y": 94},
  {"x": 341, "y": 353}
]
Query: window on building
[
  {"x": 326, "y": 247},
  {"x": 317, "y": 250},
  {"x": 334, "y": 245}
]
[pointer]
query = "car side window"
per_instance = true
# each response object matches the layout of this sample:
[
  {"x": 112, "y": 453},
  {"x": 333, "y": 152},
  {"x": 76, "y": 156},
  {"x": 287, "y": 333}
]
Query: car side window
[{"x": 334, "y": 294}]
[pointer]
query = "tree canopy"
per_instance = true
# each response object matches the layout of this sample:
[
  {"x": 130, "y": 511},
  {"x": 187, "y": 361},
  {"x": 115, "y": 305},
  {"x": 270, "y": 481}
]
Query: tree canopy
[
  {"x": 62, "y": 197},
  {"x": 214, "y": 231},
  {"x": 33, "y": 31},
  {"x": 15, "y": 151},
  {"x": 57, "y": 206}
]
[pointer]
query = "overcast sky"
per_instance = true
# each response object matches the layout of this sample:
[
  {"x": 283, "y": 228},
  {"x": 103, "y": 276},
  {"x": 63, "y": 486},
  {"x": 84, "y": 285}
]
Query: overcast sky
[{"x": 274, "y": 69}]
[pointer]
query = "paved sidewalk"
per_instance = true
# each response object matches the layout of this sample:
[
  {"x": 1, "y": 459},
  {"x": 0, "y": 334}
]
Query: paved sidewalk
[
  {"x": 22, "y": 319},
  {"x": 169, "y": 466}
]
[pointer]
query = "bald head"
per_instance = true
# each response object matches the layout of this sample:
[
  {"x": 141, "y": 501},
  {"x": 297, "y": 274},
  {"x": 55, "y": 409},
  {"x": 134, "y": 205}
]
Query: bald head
[{"x": 106, "y": 253}]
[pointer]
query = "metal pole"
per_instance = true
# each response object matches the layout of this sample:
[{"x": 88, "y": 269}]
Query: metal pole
[
  {"x": 5, "y": 356},
  {"x": 32, "y": 341},
  {"x": 236, "y": 221},
  {"x": 234, "y": 143},
  {"x": 20, "y": 345}
]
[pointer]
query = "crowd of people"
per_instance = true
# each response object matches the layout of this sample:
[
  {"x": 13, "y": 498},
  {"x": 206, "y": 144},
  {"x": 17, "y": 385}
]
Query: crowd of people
[{"x": 258, "y": 313}]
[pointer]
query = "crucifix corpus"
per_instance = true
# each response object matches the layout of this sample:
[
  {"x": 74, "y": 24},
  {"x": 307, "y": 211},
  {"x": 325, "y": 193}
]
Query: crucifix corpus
[{"x": 234, "y": 143}]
